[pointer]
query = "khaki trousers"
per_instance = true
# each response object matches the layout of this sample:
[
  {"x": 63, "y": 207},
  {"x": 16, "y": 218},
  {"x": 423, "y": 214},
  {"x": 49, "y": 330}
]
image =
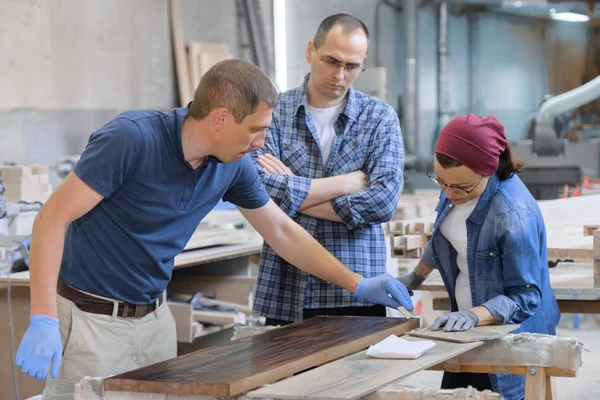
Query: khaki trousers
[{"x": 102, "y": 345}]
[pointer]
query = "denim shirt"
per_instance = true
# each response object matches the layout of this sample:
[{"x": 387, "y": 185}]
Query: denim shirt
[{"x": 508, "y": 268}]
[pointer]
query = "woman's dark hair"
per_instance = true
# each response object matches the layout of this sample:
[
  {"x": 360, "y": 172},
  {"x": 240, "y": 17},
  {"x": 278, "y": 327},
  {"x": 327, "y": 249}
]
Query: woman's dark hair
[{"x": 508, "y": 165}]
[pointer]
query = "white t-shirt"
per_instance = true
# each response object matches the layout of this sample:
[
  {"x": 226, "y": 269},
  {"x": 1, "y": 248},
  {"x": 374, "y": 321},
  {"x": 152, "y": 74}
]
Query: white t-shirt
[
  {"x": 454, "y": 229},
  {"x": 324, "y": 119}
]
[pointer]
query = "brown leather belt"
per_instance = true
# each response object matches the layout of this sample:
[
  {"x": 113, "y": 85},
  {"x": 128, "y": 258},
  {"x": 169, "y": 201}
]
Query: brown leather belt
[{"x": 94, "y": 305}]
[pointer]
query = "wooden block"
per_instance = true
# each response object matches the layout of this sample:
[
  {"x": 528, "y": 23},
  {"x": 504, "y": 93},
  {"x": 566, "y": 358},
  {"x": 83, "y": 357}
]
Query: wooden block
[
  {"x": 441, "y": 304},
  {"x": 535, "y": 384},
  {"x": 27, "y": 180},
  {"x": 597, "y": 245},
  {"x": 400, "y": 253},
  {"x": 182, "y": 314},
  {"x": 597, "y": 273},
  {"x": 588, "y": 230},
  {"x": 214, "y": 317},
  {"x": 358, "y": 375},
  {"x": 479, "y": 333},
  {"x": 11, "y": 174},
  {"x": 15, "y": 193},
  {"x": 415, "y": 242},
  {"x": 419, "y": 227},
  {"x": 43, "y": 179},
  {"x": 409, "y": 242},
  {"x": 399, "y": 227},
  {"x": 40, "y": 169},
  {"x": 242, "y": 365}
]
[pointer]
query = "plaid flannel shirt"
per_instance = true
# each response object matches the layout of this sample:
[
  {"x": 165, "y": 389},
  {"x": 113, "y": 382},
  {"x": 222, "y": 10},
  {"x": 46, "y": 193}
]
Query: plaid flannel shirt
[{"x": 367, "y": 138}]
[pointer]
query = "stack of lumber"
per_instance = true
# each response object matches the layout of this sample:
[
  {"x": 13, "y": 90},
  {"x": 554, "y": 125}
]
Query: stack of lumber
[
  {"x": 408, "y": 238},
  {"x": 566, "y": 221},
  {"x": 419, "y": 204},
  {"x": 25, "y": 183}
]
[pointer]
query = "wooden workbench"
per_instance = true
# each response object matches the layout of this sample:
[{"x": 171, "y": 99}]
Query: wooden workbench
[{"x": 186, "y": 259}]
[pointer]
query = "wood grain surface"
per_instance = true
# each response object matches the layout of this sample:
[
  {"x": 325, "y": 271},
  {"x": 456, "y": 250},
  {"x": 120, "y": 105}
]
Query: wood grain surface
[
  {"x": 480, "y": 333},
  {"x": 358, "y": 375},
  {"x": 246, "y": 364}
]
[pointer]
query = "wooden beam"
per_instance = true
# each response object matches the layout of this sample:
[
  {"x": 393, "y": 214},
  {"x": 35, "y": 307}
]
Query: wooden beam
[
  {"x": 559, "y": 356},
  {"x": 535, "y": 384},
  {"x": 357, "y": 375},
  {"x": 499, "y": 369},
  {"x": 551, "y": 388},
  {"x": 242, "y": 365},
  {"x": 181, "y": 63}
]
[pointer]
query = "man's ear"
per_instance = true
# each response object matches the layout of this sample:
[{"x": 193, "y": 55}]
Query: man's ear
[
  {"x": 220, "y": 114},
  {"x": 309, "y": 50}
]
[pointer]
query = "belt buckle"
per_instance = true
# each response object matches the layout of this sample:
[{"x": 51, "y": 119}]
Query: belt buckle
[{"x": 140, "y": 311}]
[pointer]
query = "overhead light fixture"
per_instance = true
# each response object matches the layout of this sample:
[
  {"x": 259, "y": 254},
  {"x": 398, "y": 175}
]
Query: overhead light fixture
[
  {"x": 280, "y": 36},
  {"x": 569, "y": 16},
  {"x": 524, "y": 3}
]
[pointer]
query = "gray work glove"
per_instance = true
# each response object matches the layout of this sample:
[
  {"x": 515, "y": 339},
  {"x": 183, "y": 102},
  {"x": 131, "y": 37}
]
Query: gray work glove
[
  {"x": 412, "y": 280},
  {"x": 456, "y": 321}
]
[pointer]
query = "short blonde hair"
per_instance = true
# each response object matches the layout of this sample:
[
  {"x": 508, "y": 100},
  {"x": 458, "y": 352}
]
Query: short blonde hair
[{"x": 236, "y": 85}]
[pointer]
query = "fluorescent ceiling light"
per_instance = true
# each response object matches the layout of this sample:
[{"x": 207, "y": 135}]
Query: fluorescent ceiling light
[
  {"x": 279, "y": 31},
  {"x": 568, "y": 16}
]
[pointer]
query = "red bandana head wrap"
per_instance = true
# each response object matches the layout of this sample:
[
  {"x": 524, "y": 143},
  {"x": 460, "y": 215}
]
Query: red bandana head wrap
[{"x": 474, "y": 142}]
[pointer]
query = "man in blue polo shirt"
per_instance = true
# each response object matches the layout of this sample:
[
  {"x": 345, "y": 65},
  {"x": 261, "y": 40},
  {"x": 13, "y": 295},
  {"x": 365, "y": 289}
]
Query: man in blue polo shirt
[{"x": 111, "y": 230}]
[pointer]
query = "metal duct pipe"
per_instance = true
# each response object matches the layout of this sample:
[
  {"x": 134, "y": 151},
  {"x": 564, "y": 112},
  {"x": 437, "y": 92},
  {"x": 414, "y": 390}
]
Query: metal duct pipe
[
  {"x": 545, "y": 139},
  {"x": 569, "y": 100},
  {"x": 411, "y": 107},
  {"x": 443, "y": 67}
]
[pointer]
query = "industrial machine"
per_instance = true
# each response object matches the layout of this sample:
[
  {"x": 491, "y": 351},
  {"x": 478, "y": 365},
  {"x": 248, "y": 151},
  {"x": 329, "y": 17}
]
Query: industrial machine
[{"x": 551, "y": 160}]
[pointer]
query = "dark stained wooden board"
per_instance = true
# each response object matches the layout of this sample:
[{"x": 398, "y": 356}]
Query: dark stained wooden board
[{"x": 236, "y": 367}]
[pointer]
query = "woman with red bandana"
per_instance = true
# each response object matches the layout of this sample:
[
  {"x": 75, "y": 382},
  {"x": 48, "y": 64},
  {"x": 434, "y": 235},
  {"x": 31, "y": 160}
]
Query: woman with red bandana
[{"x": 488, "y": 243}]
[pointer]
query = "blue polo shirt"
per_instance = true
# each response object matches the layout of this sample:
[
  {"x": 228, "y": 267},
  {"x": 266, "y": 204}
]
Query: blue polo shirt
[{"x": 124, "y": 248}]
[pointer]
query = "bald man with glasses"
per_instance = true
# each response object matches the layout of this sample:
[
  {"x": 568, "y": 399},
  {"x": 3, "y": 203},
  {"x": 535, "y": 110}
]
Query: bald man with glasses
[{"x": 333, "y": 161}]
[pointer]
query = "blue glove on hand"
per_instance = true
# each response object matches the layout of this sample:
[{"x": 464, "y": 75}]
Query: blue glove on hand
[
  {"x": 456, "y": 321},
  {"x": 385, "y": 290},
  {"x": 40, "y": 344}
]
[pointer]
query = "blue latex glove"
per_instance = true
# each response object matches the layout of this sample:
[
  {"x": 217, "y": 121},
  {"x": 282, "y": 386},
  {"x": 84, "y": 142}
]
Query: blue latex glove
[
  {"x": 40, "y": 344},
  {"x": 456, "y": 321},
  {"x": 384, "y": 289}
]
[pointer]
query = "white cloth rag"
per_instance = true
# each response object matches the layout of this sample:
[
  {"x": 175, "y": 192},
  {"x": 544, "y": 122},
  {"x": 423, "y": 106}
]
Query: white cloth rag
[{"x": 395, "y": 347}]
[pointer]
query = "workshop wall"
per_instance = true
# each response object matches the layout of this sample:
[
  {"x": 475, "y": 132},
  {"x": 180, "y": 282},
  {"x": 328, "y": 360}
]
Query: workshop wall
[{"x": 68, "y": 67}]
